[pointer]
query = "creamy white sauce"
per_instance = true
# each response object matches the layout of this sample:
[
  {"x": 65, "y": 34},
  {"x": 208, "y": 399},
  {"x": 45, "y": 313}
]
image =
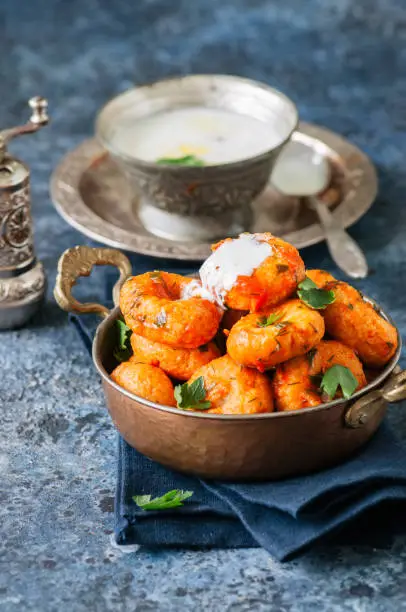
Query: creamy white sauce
[
  {"x": 196, "y": 289},
  {"x": 214, "y": 135},
  {"x": 300, "y": 170},
  {"x": 234, "y": 258}
]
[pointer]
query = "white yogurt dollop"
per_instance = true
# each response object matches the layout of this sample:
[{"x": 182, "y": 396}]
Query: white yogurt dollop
[
  {"x": 196, "y": 289},
  {"x": 234, "y": 258}
]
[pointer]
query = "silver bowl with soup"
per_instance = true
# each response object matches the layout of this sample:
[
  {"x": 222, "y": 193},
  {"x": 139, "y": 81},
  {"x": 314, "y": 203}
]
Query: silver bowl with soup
[{"x": 197, "y": 149}]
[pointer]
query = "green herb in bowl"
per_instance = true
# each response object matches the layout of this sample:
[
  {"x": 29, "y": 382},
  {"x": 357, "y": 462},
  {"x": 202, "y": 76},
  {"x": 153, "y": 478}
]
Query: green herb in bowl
[
  {"x": 313, "y": 296},
  {"x": 186, "y": 160},
  {"x": 123, "y": 350}
]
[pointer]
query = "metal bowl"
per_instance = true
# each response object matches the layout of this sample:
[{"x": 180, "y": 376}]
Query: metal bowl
[
  {"x": 227, "y": 447},
  {"x": 188, "y": 203}
]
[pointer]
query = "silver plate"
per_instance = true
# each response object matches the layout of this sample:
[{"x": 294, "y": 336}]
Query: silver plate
[{"x": 92, "y": 195}]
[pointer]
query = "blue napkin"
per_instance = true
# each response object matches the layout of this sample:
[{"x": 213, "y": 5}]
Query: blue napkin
[{"x": 284, "y": 517}]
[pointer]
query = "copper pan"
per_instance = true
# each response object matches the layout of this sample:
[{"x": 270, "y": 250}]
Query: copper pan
[{"x": 247, "y": 447}]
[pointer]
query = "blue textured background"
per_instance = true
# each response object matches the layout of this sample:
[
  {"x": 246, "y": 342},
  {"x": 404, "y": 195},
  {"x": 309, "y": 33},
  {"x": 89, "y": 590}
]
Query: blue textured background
[{"x": 343, "y": 62}]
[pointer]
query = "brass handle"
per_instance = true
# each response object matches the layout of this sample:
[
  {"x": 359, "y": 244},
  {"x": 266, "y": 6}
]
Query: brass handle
[
  {"x": 364, "y": 409},
  {"x": 395, "y": 389},
  {"x": 79, "y": 261}
]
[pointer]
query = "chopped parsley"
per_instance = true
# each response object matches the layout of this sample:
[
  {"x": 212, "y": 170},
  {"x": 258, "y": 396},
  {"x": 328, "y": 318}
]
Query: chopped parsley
[
  {"x": 123, "y": 350},
  {"x": 267, "y": 320},
  {"x": 192, "y": 396},
  {"x": 338, "y": 376},
  {"x": 171, "y": 499},
  {"x": 186, "y": 160},
  {"x": 314, "y": 297}
]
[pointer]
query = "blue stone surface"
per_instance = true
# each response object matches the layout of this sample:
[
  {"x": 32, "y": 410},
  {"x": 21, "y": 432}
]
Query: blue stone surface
[{"x": 343, "y": 62}]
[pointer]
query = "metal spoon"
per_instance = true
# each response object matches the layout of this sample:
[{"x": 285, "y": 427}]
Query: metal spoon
[{"x": 302, "y": 171}]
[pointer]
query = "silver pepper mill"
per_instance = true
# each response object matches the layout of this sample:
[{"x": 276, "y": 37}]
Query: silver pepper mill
[{"x": 22, "y": 277}]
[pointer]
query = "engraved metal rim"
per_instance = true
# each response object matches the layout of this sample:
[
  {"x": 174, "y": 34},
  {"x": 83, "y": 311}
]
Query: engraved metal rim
[
  {"x": 195, "y": 170},
  {"x": 67, "y": 198},
  {"x": 266, "y": 415}
]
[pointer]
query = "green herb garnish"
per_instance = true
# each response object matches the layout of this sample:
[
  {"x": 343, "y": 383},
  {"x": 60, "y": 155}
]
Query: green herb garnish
[
  {"x": 337, "y": 376},
  {"x": 155, "y": 274},
  {"x": 314, "y": 297},
  {"x": 192, "y": 396},
  {"x": 307, "y": 284},
  {"x": 265, "y": 321},
  {"x": 171, "y": 499},
  {"x": 186, "y": 160},
  {"x": 123, "y": 351}
]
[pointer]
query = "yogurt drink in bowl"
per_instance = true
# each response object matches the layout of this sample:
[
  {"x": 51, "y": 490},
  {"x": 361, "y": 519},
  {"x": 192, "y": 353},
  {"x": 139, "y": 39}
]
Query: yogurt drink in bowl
[
  {"x": 211, "y": 135},
  {"x": 197, "y": 149}
]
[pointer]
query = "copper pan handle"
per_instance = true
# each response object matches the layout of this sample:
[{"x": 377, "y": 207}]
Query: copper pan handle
[
  {"x": 79, "y": 261},
  {"x": 367, "y": 407}
]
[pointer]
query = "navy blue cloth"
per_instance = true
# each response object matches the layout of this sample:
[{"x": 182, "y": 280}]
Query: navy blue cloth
[{"x": 284, "y": 517}]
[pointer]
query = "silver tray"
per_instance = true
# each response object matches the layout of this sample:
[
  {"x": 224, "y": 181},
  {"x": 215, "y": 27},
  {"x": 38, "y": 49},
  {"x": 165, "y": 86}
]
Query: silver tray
[{"x": 92, "y": 195}]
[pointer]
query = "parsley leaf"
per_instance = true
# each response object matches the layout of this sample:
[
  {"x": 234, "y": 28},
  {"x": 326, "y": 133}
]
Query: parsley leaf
[
  {"x": 123, "y": 351},
  {"x": 192, "y": 396},
  {"x": 186, "y": 160},
  {"x": 265, "y": 321},
  {"x": 337, "y": 376},
  {"x": 171, "y": 499},
  {"x": 307, "y": 284},
  {"x": 314, "y": 297}
]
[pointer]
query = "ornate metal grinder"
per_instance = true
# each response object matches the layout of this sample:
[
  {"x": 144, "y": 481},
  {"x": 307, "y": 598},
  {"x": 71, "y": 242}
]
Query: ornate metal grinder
[{"x": 22, "y": 277}]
